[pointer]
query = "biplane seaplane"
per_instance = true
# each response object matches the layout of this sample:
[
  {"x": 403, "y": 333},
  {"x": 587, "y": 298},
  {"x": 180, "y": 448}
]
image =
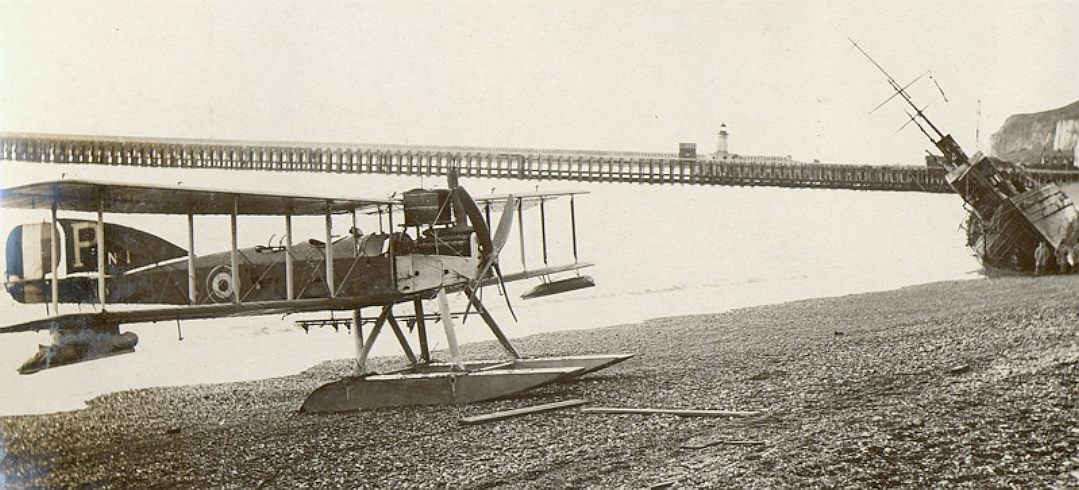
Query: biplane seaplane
[{"x": 445, "y": 246}]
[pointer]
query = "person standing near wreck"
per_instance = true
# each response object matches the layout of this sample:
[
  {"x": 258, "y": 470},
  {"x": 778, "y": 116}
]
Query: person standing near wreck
[
  {"x": 1063, "y": 251},
  {"x": 1073, "y": 257},
  {"x": 1041, "y": 258}
]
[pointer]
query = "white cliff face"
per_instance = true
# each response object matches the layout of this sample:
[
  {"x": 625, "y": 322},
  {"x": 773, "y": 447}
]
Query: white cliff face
[
  {"x": 1029, "y": 138},
  {"x": 1066, "y": 139},
  {"x": 1067, "y": 134}
]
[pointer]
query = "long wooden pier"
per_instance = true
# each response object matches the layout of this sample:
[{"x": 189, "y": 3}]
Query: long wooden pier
[{"x": 514, "y": 163}]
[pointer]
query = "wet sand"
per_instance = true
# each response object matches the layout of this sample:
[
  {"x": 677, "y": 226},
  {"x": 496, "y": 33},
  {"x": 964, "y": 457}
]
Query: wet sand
[{"x": 973, "y": 382}]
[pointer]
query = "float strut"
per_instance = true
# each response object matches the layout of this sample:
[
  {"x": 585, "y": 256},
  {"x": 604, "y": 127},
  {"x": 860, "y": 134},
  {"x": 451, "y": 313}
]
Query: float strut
[
  {"x": 421, "y": 326},
  {"x": 361, "y": 361},
  {"x": 357, "y": 339},
  {"x": 490, "y": 321},
  {"x": 401, "y": 339}
]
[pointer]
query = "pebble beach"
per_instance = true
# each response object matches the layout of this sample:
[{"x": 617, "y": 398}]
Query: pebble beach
[{"x": 952, "y": 383}]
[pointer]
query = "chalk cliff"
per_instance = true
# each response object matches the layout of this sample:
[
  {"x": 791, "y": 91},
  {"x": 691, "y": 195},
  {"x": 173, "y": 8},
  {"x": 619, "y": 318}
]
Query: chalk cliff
[{"x": 1048, "y": 137}]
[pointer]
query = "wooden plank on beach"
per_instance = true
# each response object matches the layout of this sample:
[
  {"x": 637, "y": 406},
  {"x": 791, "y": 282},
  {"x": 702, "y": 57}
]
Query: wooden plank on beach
[
  {"x": 699, "y": 443},
  {"x": 672, "y": 411},
  {"x": 517, "y": 412}
]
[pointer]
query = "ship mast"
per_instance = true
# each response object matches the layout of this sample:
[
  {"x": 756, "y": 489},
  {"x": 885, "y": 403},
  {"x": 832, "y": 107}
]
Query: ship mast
[{"x": 953, "y": 155}]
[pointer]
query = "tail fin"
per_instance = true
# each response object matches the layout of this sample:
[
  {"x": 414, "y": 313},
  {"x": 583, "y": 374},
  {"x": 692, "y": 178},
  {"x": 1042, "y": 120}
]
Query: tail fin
[{"x": 29, "y": 256}]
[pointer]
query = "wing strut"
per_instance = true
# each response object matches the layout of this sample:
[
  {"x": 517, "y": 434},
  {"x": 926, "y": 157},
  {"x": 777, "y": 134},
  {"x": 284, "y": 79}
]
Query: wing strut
[
  {"x": 521, "y": 233},
  {"x": 543, "y": 230},
  {"x": 355, "y": 232},
  {"x": 54, "y": 258},
  {"x": 100, "y": 232},
  {"x": 392, "y": 249},
  {"x": 290, "y": 292},
  {"x": 233, "y": 253},
  {"x": 192, "y": 288},
  {"x": 328, "y": 250},
  {"x": 573, "y": 226}
]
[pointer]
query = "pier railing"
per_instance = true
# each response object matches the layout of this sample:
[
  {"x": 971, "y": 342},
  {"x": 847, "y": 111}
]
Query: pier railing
[{"x": 510, "y": 163}]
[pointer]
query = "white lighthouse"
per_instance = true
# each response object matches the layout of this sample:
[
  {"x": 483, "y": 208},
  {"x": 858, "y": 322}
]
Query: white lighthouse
[{"x": 721, "y": 142}]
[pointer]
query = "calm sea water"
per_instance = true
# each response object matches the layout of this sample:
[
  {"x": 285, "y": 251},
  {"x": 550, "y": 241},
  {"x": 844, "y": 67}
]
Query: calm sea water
[{"x": 660, "y": 250}]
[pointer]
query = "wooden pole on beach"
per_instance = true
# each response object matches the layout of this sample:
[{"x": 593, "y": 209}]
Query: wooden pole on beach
[{"x": 671, "y": 411}]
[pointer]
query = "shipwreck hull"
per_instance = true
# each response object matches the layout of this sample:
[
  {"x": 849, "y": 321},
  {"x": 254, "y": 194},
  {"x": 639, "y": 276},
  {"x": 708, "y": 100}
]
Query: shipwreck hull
[{"x": 1009, "y": 216}]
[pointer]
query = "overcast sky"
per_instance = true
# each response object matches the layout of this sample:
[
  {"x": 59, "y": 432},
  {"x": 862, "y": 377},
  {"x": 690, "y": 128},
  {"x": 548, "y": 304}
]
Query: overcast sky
[{"x": 589, "y": 75}]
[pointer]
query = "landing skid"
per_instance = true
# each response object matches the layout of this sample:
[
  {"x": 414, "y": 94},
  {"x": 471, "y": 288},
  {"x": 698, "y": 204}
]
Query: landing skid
[
  {"x": 438, "y": 388},
  {"x": 444, "y": 383}
]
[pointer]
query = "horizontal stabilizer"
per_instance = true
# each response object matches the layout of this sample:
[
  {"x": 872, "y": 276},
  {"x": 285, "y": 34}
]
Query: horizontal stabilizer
[
  {"x": 556, "y": 287},
  {"x": 541, "y": 272}
]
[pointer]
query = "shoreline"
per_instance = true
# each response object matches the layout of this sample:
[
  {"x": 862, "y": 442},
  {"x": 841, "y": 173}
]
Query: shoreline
[
  {"x": 948, "y": 382},
  {"x": 39, "y": 389}
]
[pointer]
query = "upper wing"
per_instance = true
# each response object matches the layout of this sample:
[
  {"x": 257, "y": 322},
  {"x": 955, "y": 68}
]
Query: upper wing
[
  {"x": 497, "y": 200},
  {"x": 76, "y": 195}
]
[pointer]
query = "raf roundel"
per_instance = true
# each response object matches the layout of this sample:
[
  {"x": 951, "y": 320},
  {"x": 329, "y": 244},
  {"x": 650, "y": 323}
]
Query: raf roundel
[{"x": 219, "y": 284}]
